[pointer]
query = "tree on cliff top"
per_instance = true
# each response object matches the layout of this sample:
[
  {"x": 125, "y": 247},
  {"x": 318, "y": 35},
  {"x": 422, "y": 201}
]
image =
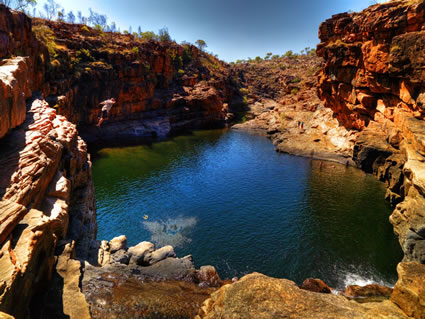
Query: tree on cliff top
[
  {"x": 20, "y": 5},
  {"x": 51, "y": 8},
  {"x": 201, "y": 44}
]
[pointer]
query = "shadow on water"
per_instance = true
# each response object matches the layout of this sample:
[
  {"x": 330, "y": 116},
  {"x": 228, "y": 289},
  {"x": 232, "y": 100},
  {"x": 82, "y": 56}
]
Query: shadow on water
[{"x": 231, "y": 201}]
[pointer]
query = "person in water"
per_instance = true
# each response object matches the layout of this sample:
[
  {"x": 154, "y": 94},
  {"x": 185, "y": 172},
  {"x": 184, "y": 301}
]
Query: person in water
[{"x": 107, "y": 105}]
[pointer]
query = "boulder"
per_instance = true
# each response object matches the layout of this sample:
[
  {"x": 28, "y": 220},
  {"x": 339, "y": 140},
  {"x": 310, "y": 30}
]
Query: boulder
[
  {"x": 118, "y": 243},
  {"x": 258, "y": 296},
  {"x": 315, "y": 285},
  {"x": 373, "y": 290},
  {"x": 208, "y": 277},
  {"x": 141, "y": 253},
  {"x": 162, "y": 253}
]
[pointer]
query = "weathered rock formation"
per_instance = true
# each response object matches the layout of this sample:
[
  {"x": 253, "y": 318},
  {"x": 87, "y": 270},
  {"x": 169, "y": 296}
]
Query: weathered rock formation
[
  {"x": 259, "y": 296},
  {"x": 160, "y": 87},
  {"x": 373, "y": 80},
  {"x": 46, "y": 195}
]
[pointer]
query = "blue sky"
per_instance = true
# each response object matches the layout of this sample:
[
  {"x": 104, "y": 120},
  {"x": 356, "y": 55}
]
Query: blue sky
[{"x": 233, "y": 29}]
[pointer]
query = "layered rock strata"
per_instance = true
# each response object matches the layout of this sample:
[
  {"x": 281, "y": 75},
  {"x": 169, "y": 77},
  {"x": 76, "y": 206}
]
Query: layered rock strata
[
  {"x": 372, "y": 81},
  {"x": 160, "y": 87},
  {"x": 45, "y": 172}
]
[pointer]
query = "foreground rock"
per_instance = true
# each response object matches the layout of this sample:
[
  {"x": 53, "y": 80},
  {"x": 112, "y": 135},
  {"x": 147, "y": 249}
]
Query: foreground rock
[
  {"x": 409, "y": 292},
  {"x": 259, "y": 296},
  {"x": 166, "y": 287},
  {"x": 46, "y": 194}
]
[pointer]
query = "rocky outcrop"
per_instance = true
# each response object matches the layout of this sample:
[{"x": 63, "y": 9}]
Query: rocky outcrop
[
  {"x": 409, "y": 292},
  {"x": 160, "y": 87},
  {"x": 160, "y": 286},
  {"x": 259, "y": 296},
  {"x": 371, "y": 65},
  {"x": 283, "y": 105},
  {"x": 372, "y": 80},
  {"x": 21, "y": 69},
  {"x": 45, "y": 172}
]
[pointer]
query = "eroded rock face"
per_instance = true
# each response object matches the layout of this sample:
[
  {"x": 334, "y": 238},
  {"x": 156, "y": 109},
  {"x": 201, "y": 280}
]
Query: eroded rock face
[
  {"x": 45, "y": 174},
  {"x": 259, "y": 296},
  {"x": 160, "y": 87},
  {"x": 372, "y": 63},
  {"x": 409, "y": 293}
]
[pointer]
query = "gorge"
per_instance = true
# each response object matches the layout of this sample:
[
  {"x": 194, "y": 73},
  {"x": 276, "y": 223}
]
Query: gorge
[{"x": 368, "y": 113}]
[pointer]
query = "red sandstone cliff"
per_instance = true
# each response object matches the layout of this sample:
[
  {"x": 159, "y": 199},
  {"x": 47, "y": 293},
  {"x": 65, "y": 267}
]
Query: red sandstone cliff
[{"x": 373, "y": 80}]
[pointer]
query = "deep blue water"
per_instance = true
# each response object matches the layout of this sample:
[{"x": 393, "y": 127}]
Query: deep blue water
[{"x": 231, "y": 201}]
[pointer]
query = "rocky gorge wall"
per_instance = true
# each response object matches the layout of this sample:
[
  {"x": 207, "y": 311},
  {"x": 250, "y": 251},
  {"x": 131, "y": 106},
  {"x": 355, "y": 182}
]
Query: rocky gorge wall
[
  {"x": 160, "y": 86},
  {"x": 373, "y": 80}
]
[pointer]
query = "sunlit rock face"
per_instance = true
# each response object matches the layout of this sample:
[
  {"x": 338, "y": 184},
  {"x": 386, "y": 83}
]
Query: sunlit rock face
[
  {"x": 45, "y": 183},
  {"x": 373, "y": 81},
  {"x": 373, "y": 63},
  {"x": 160, "y": 87}
]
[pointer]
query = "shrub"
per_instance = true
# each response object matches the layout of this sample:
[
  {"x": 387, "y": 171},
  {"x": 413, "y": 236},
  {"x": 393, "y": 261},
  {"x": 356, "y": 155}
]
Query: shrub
[
  {"x": 135, "y": 50},
  {"x": 295, "y": 80},
  {"x": 187, "y": 54},
  {"x": 84, "y": 54},
  {"x": 47, "y": 37},
  {"x": 289, "y": 54},
  {"x": 163, "y": 35},
  {"x": 180, "y": 71},
  {"x": 294, "y": 91},
  {"x": 85, "y": 29},
  {"x": 258, "y": 59},
  {"x": 244, "y": 91},
  {"x": 148, "y": 35},
  {"x": 245, "y": 100}
]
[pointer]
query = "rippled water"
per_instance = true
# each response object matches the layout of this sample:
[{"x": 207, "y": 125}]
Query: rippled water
[{"x": 231, "y": 201}]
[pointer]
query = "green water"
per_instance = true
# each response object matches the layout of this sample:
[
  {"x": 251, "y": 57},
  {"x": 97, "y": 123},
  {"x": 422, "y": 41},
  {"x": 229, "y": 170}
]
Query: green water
[{"x": 231, "y": 201}]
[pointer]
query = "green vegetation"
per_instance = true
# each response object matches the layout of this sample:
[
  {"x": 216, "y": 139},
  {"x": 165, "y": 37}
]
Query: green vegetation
[
  {"x": 84, "y": 54},
  {"x": 258, "y": 59},
  {"x": 244, "y": 91},
  {"x": 201, "y": 44},
  {"x": 295, "y": 80},
  {"x": 45, "y": 35},
  {"x": 135, "y": 50},
  {"x": 180, "y": 72},
  {"x": 163, "y": 35},
  {"x": 294, "y": 91},
  {"x": 187, "y": 54},
  {"x": 148, "y": 35},
  {"x": 245, "y": 100}
]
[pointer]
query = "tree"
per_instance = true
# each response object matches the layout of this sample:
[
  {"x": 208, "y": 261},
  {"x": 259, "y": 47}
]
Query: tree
[
  {"x": 70, "y": 17},
  {"x": 163, "y": 35},
  {"x": 51, "y": 7},
  {"x": 113, "y": 27},
  {"x": 201, "y": 44},
  {"x": 61, "y": 15},
  {"x": 258, "y": 59},
  {"x": 20, "y": 5},
  {"x": 96, "y": 18},
  {"x": 148, "y": 35}
]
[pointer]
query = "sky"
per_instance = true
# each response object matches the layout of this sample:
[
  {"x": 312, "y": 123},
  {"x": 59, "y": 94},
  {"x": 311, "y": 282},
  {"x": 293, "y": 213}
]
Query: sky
[{"x": 233, "y": 29}]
